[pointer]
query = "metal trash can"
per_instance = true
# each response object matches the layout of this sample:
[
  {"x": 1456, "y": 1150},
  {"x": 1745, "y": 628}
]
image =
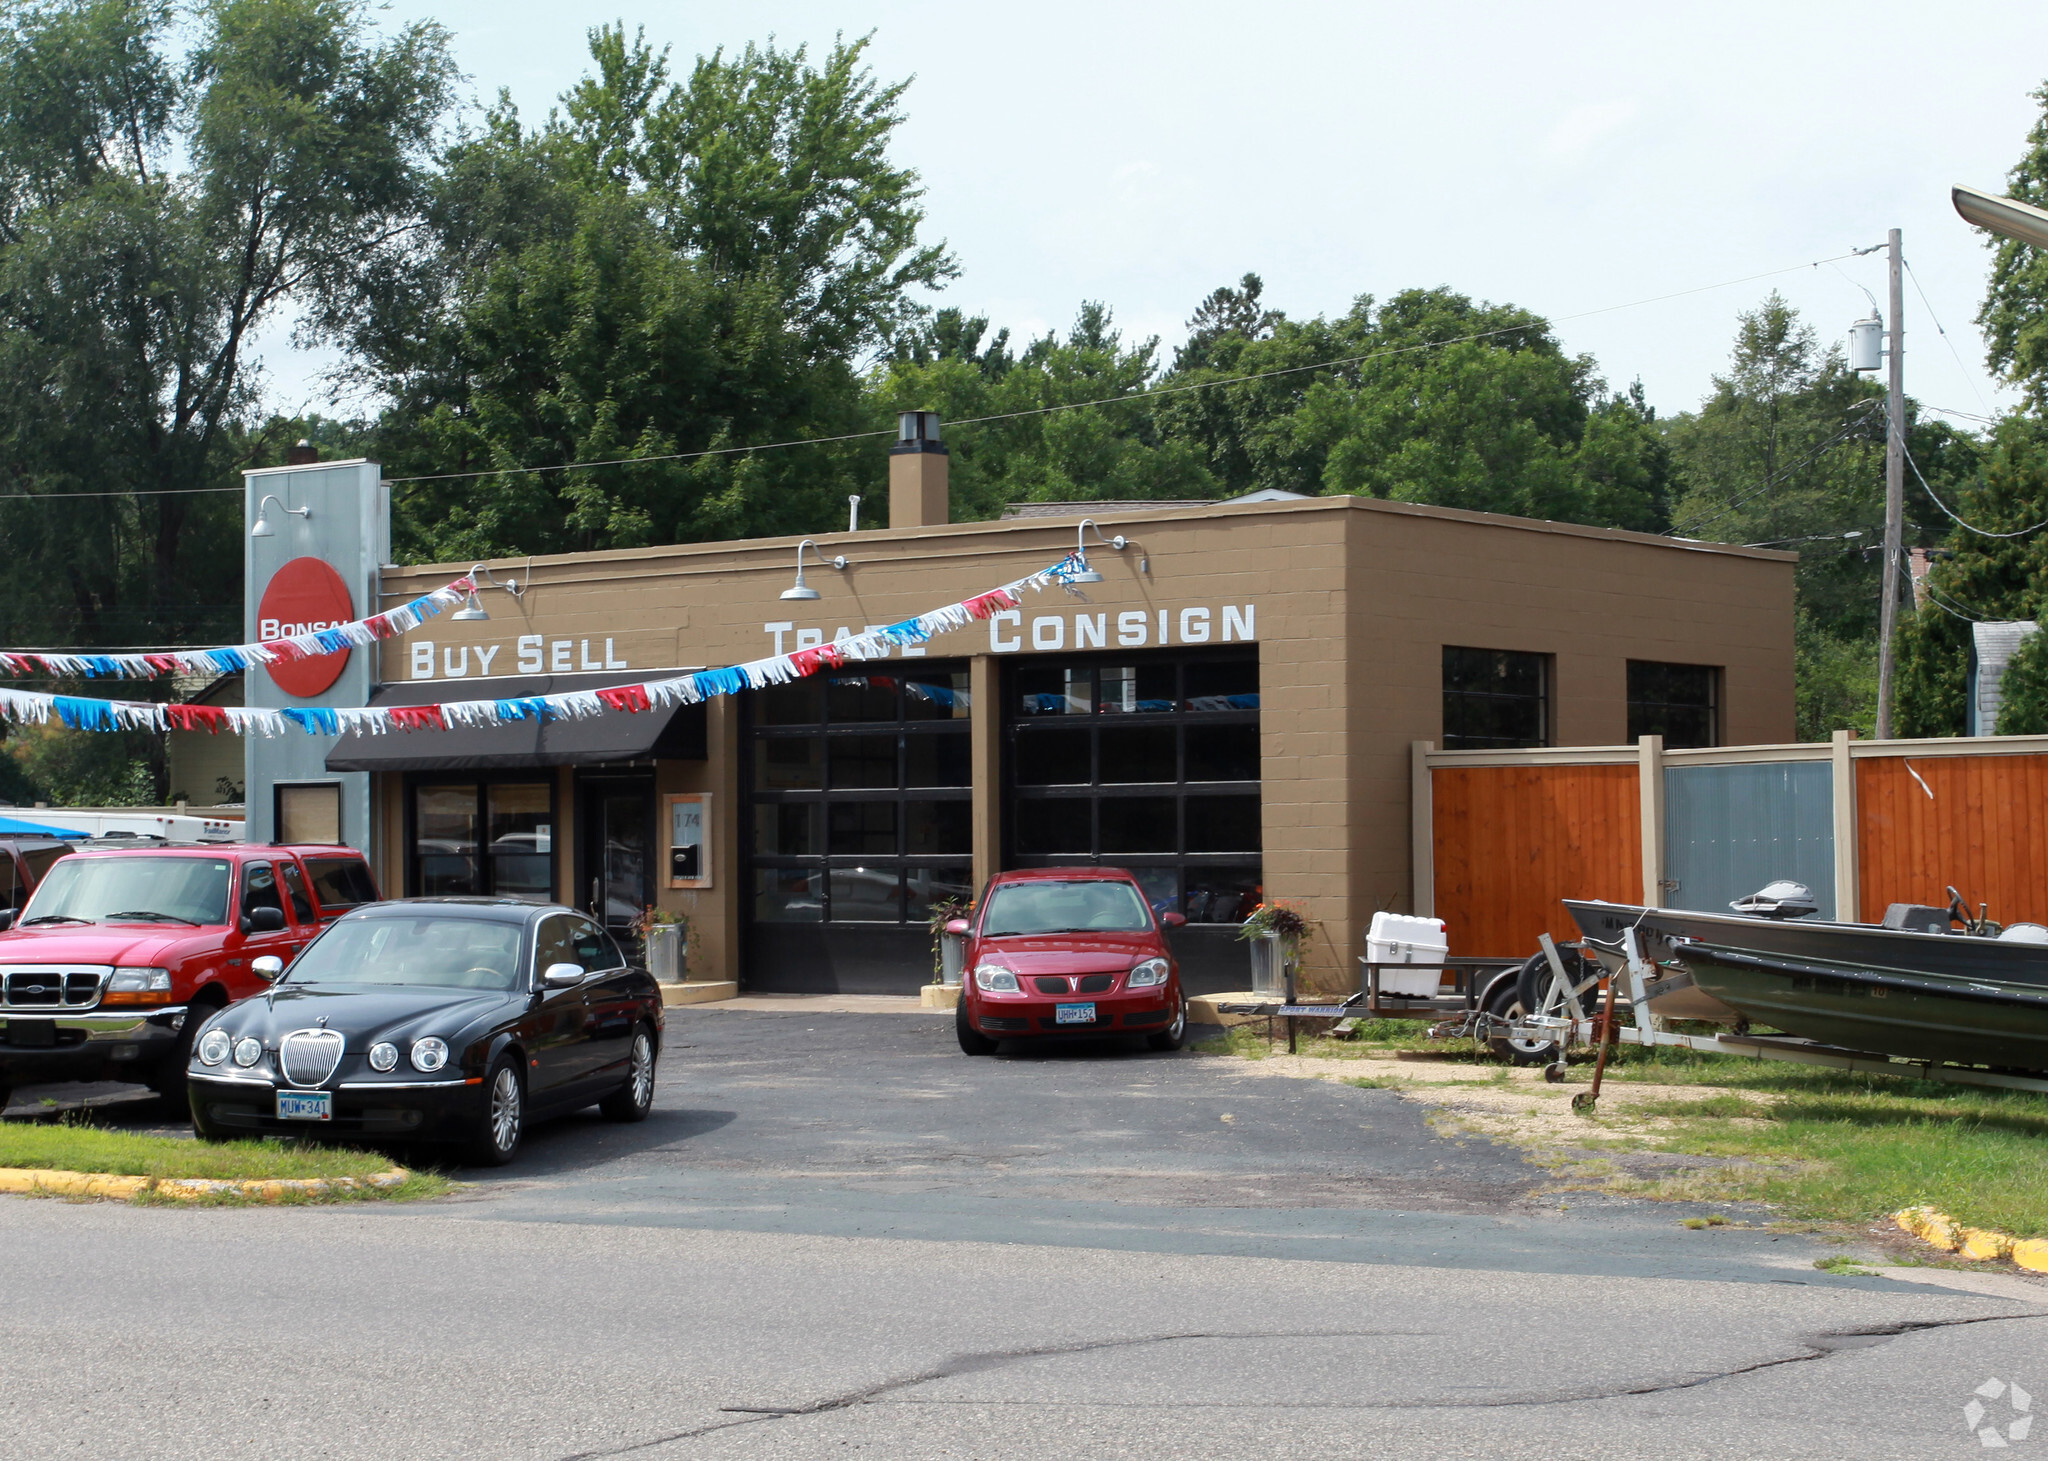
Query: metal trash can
[
  {"x": 952, "y": 957},
  {"x": 668, "y": 953},
  {"x": 1270, "y": 957}
]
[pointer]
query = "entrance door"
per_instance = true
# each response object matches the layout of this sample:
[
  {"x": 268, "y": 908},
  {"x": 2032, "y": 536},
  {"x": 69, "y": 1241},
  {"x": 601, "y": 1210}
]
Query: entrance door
[{"x": 615, "y": 827}]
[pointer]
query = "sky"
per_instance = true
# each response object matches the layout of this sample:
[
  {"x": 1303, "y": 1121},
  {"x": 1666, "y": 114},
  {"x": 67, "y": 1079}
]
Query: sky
[{"x": 1567, "y": 158}]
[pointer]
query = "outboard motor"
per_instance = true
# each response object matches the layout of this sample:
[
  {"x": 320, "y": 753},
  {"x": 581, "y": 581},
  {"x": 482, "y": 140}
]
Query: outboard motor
[{"x": 1781, "y": 899}]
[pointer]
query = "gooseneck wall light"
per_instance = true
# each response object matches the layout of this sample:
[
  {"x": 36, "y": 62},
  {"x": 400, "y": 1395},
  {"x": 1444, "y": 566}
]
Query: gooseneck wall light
[
  {"x": 261, "y": 528},
  {"x": 1088, "y": 574},
  {"x": 800, "y": 589},
  {"x": 479, "y": 576}
]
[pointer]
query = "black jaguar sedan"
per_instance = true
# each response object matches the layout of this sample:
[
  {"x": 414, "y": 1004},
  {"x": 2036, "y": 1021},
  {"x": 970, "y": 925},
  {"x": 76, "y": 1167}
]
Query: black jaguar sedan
[{"x": 434, "y": 1019}]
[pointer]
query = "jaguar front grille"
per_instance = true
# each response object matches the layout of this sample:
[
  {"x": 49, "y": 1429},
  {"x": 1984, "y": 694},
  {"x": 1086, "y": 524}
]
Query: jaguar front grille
[{"x": 308, "y": 1057}]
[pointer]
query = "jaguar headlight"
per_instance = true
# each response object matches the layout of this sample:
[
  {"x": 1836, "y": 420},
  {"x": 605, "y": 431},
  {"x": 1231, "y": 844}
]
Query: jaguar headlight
[
  {"x": 429, "y": 1055},
  {"x": 383, "y": 1055},
  {"x": 248, "y": 1050},
  {"x": 213, "y": 1047},
  {"x": 995, "y": 979},
  {"x": 1147, "y": 974}
]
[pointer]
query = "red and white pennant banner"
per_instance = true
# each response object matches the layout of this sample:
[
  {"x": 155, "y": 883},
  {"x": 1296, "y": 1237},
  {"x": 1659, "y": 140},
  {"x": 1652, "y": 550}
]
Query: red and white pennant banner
[
  {"x": 229, "y": 659},
  {"x": 79, "y": 713}
]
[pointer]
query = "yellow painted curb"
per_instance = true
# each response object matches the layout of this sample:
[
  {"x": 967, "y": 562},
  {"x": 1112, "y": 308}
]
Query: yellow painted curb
[
  {"x": 1945, "y": 1233},
  {"x": 54, "y": 1183}
]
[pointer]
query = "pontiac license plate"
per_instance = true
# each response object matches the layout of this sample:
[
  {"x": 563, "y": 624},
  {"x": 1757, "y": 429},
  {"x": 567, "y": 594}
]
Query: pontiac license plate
[
  {"x": 305, "y": 1105},
  {"x": 1075, "y": 1014}
]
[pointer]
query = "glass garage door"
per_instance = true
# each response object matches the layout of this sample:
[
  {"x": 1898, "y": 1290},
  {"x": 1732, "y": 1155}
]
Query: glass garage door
[{"x": 1149, "y": 763}]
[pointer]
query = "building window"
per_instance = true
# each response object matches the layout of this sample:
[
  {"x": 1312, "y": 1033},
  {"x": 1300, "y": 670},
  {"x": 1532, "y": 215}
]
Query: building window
[
  {"x": 861, "y": 796},
  {"x": 1146, "y": 763},
  {"x": 486, "y": 839},
  {"x": 1678, "y": 702},
  {"x": 1495, "y": 699},
  {"x": 309, "y": 813}
]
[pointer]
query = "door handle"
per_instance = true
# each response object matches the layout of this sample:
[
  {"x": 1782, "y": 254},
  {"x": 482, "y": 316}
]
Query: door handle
[{"x": 595, "y": 900}]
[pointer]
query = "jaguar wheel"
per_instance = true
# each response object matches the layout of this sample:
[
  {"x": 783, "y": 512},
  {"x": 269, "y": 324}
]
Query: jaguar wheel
[
  {"x": 502, "y": 1124},
  {"x": 633, "y": 1100}
]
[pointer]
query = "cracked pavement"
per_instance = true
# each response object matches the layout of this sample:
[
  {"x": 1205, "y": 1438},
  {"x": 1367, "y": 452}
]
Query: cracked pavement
[{"x": 838, "y": 1235}]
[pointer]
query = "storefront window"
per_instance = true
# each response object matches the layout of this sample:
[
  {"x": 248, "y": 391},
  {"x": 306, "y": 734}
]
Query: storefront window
[
  {"x": 1150, "y": 764},
  {"x": 492, "y": 838},
  {"x": 862, "y": 803}
]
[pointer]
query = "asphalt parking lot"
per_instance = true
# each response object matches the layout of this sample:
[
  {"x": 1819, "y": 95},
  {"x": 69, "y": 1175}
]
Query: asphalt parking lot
[{"x": 839, "y": 1234}]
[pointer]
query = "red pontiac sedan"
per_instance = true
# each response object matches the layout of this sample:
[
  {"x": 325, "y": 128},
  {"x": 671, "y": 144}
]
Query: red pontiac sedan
[{"x": 1068, "y": 951}]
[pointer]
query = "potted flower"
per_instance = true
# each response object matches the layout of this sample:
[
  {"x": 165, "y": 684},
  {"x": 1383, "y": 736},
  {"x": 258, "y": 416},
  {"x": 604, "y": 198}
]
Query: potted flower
[
  {"x": 1274, "y": 931},
  {"x": 666, "y": 937}
]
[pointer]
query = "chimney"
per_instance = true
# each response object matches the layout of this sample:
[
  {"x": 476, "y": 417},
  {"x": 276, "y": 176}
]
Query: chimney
[
  {"x": 918, "y": 487},
  {"x": 302, "y": 455}
]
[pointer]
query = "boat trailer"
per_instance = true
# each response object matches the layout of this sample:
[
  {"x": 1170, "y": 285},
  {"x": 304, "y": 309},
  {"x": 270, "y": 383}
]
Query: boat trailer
[{"x": 1584, "y": 1012}]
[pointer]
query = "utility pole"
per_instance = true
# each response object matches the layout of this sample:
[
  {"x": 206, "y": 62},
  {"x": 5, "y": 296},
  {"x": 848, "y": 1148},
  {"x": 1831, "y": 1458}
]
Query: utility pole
[{"x": 1894, "y": 490}]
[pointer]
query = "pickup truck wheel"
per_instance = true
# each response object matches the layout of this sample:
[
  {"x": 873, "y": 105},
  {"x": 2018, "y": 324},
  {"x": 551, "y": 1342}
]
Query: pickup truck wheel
[{"x": 167, "y": 1076}]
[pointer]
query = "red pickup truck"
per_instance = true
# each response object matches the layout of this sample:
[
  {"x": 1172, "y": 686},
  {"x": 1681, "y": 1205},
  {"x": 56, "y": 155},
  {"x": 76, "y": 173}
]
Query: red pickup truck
[{"x": 119, "y": 956}]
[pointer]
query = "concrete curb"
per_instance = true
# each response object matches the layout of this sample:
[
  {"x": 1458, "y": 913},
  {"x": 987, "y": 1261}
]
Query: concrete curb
[
  {"x": 1945, "y": 1233},
  {"x": 51, "y": 1182}
]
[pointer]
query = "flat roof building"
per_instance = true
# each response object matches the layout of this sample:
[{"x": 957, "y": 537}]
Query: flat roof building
[{"x": 1230, "y": 712}]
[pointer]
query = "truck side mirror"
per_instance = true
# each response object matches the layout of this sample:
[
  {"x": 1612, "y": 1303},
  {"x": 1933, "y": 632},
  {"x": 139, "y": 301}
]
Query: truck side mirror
[
  {"x": 263, "y": 920},
  {"x": 7, "y": 917}
]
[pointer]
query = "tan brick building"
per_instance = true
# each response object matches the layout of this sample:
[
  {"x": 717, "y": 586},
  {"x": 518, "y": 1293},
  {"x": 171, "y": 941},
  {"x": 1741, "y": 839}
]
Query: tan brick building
[{"x": 1230, "y": 713}]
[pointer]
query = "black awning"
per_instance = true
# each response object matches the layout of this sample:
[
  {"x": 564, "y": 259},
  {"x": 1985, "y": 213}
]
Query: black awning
[{"x": 676, "y": 733}]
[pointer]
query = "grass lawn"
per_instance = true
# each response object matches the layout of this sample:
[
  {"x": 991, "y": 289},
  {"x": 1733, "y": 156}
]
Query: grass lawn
[
  {"x": 1820, "y": 1144},
  {"x": 93, "y": 1149}
]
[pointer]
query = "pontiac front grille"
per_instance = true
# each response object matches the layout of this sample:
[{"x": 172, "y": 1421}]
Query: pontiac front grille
[
  {"x": 46, "y": 987},
  {"x": 308, "y": 1057}
]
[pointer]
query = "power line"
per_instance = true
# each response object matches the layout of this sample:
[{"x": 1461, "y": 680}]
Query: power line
[
  {"x": 1980, "y": 532},
  {"x": 140, "y": 492},
  {"x": 1942, "y": 331},
  {"x": 1783, "y": 472}
]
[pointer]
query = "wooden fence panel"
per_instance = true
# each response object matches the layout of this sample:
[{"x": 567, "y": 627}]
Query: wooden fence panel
[
  {"x": 1511, "y": 841},
  {"x": 1974, "y": 822}
]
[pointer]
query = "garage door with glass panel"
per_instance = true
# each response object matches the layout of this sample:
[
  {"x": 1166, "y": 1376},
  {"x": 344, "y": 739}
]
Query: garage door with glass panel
[
  {"x": 1149, "y": 763},
  {"x": 860, "y": 818}
]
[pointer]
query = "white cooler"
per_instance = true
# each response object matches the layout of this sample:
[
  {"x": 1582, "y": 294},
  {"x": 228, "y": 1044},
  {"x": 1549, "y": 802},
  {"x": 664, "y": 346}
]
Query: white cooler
[{"x": 1397, "y": 938}]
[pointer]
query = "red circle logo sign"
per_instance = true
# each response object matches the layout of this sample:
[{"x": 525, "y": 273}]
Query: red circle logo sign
[{"x": 304, "y": 595}]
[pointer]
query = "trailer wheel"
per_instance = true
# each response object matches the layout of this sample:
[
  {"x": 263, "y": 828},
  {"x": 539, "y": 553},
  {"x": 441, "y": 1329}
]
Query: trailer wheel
[{"x": 1517, "y": 998}]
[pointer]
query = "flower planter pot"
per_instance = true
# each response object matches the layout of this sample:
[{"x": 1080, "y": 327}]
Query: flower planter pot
[{"x": 668, "y": 954}]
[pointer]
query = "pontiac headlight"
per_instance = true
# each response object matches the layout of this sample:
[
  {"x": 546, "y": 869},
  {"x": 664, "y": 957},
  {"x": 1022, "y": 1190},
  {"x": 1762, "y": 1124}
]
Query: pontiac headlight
[
  {"x": 383, "y": 1055},
  {"x": 248, "y": 1050},
  {"x": 1147, "y": 974},
  {"x": 213, "y": 1047},
  {"x": 995, "y": 979},
  {"x": 429, "y": 1055}
]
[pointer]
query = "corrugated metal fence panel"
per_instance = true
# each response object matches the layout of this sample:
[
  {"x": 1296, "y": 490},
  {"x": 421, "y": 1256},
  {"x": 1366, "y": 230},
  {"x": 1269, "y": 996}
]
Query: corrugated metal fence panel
[
  {"x": 1974, "y": 822},
  {"x": 1728, "y": 830},
  {"x": 1511, "y": 841}
]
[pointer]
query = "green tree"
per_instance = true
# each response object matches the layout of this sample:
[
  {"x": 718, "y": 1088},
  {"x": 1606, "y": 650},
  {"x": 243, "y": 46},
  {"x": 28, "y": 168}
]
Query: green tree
[
  {"x": 2015, "y": 309},
  {"x": 166, "y": 192},
  {"x": 1006, "y": 446},
  {"x": 662, "y": 268}
]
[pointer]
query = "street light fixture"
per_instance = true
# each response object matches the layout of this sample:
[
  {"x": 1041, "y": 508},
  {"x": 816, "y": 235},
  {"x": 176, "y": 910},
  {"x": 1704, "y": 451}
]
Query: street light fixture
[{"x": 2007, "y": 217}]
